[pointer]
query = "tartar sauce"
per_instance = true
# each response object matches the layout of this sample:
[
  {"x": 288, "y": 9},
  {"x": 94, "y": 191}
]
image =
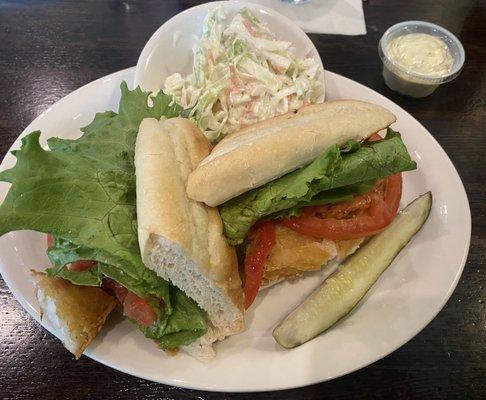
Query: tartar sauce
[{"x": 421, "y": 53}]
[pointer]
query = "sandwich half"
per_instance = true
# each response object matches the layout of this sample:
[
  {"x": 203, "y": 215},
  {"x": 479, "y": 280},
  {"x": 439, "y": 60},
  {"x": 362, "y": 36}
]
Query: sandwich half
[
  {"x": 305, "y": 188},
  {"x": 181, "y": 239},
  {"x": 82, "y": 194}
]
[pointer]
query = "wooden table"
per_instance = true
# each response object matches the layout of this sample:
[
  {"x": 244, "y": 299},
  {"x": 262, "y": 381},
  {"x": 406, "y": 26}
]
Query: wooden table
[{"x": 50, "y": 48}]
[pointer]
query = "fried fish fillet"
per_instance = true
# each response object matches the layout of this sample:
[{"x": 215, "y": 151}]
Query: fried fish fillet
[
  {"x": 77, "y": 313},
  {"x": 294, "y": 254}
]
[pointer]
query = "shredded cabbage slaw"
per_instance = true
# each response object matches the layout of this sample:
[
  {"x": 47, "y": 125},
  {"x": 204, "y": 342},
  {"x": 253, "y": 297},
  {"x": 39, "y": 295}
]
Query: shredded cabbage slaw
[{"x": 241, "y": 75}]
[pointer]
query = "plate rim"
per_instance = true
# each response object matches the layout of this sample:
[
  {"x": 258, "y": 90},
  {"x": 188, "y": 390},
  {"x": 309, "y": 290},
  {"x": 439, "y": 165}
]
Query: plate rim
[{"x": 129, "y": 74}]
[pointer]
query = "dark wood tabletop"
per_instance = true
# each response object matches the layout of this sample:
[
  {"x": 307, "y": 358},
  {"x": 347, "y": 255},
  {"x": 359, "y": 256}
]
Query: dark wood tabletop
[{"x": 49, "y": 48}]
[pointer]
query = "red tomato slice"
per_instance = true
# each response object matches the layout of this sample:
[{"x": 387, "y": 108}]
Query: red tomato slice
[
  {"x": 377, "y": 216},
  {"x": 374, "y": 138},
  {"x": 82, "y": 265},
  {"x": 50, "y": 241},
  {"x": 393, "y": 194},
  {"x": 136, "y": 308},
  {"x": 342, "y": 210},
  {"x": 114, "y": 289},
  {"x": 257, "y": 255}
]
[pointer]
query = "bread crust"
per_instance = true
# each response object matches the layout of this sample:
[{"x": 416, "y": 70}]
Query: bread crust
[
  {"x": 166, "y": 152},
  {"x": 76, "y": 312},
  {"x": 264, "y": 151}
]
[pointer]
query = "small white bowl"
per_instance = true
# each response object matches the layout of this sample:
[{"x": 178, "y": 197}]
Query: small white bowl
[
  {"x": 169, "y": 50},
  {"x": 408, "y": 82}
]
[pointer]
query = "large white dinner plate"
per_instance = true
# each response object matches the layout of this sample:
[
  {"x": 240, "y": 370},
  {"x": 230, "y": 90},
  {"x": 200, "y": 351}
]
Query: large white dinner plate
[{"x": 403, "y": 301}]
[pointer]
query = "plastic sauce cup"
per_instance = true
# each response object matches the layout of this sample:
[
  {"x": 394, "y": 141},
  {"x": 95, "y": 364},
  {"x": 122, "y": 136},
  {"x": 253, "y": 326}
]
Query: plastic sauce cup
[{"x": 410, "y": 83}]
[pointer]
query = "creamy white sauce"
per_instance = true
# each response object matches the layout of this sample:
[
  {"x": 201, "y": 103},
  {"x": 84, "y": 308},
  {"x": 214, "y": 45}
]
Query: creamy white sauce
[{"x": 421, "y": 53}]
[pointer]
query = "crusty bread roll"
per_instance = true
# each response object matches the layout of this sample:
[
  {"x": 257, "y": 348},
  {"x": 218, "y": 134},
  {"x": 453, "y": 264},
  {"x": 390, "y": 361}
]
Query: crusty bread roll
[
  {"x": 269, "y": 149},
  {"x": 181, "y": 239},
  {"x": 77, "y": 313}
]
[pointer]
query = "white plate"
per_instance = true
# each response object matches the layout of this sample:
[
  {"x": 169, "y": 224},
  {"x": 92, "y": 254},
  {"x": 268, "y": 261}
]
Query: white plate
[{"x": 404, "y": 300}]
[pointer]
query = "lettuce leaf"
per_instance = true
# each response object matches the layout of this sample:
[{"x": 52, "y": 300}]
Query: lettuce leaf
[
  {"x": 338, "y": 195},
  {"x": 336, "y": 175},
  {"x": 83, "y": 193}
]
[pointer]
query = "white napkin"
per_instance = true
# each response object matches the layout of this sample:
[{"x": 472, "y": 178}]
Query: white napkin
[{"x": 342, "y": 17}]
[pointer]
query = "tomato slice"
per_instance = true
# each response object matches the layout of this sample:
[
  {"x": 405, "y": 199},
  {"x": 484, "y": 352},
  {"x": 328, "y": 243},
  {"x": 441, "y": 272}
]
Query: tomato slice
[
  {"x": 114, "y": 289},
  {"x": 340, "y": 210},
  {"x": 82, "y": 265},
  {"x": 136, "y": 308},
  {"x": 263, "y": 240},
  {"x": 393, "y": 194},
  {"x": 50, "y": 241},
  {"x": 379, "y": 213},
  {"x": 374, "y": 138}
]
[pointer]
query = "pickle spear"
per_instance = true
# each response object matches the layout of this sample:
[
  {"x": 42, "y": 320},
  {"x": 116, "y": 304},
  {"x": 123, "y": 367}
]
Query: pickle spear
[{"x": 340, "y": 293}]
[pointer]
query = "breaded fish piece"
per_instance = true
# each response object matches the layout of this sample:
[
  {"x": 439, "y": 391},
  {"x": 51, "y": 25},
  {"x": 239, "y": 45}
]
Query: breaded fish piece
[
  {"x": 77, "y": 313},
  {"x": 294, "y": 254}
]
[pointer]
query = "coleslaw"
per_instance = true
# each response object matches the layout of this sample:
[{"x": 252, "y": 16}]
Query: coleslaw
[{"x": 242, "y": 74}]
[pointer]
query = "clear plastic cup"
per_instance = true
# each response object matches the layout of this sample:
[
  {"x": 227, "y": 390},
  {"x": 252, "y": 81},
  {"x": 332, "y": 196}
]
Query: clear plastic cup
[{"x": 410, "y": 83}]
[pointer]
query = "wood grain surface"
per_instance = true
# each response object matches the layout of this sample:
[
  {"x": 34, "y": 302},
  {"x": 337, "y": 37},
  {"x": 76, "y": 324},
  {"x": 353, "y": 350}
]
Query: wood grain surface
[{"x": 49, "y": 48}]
